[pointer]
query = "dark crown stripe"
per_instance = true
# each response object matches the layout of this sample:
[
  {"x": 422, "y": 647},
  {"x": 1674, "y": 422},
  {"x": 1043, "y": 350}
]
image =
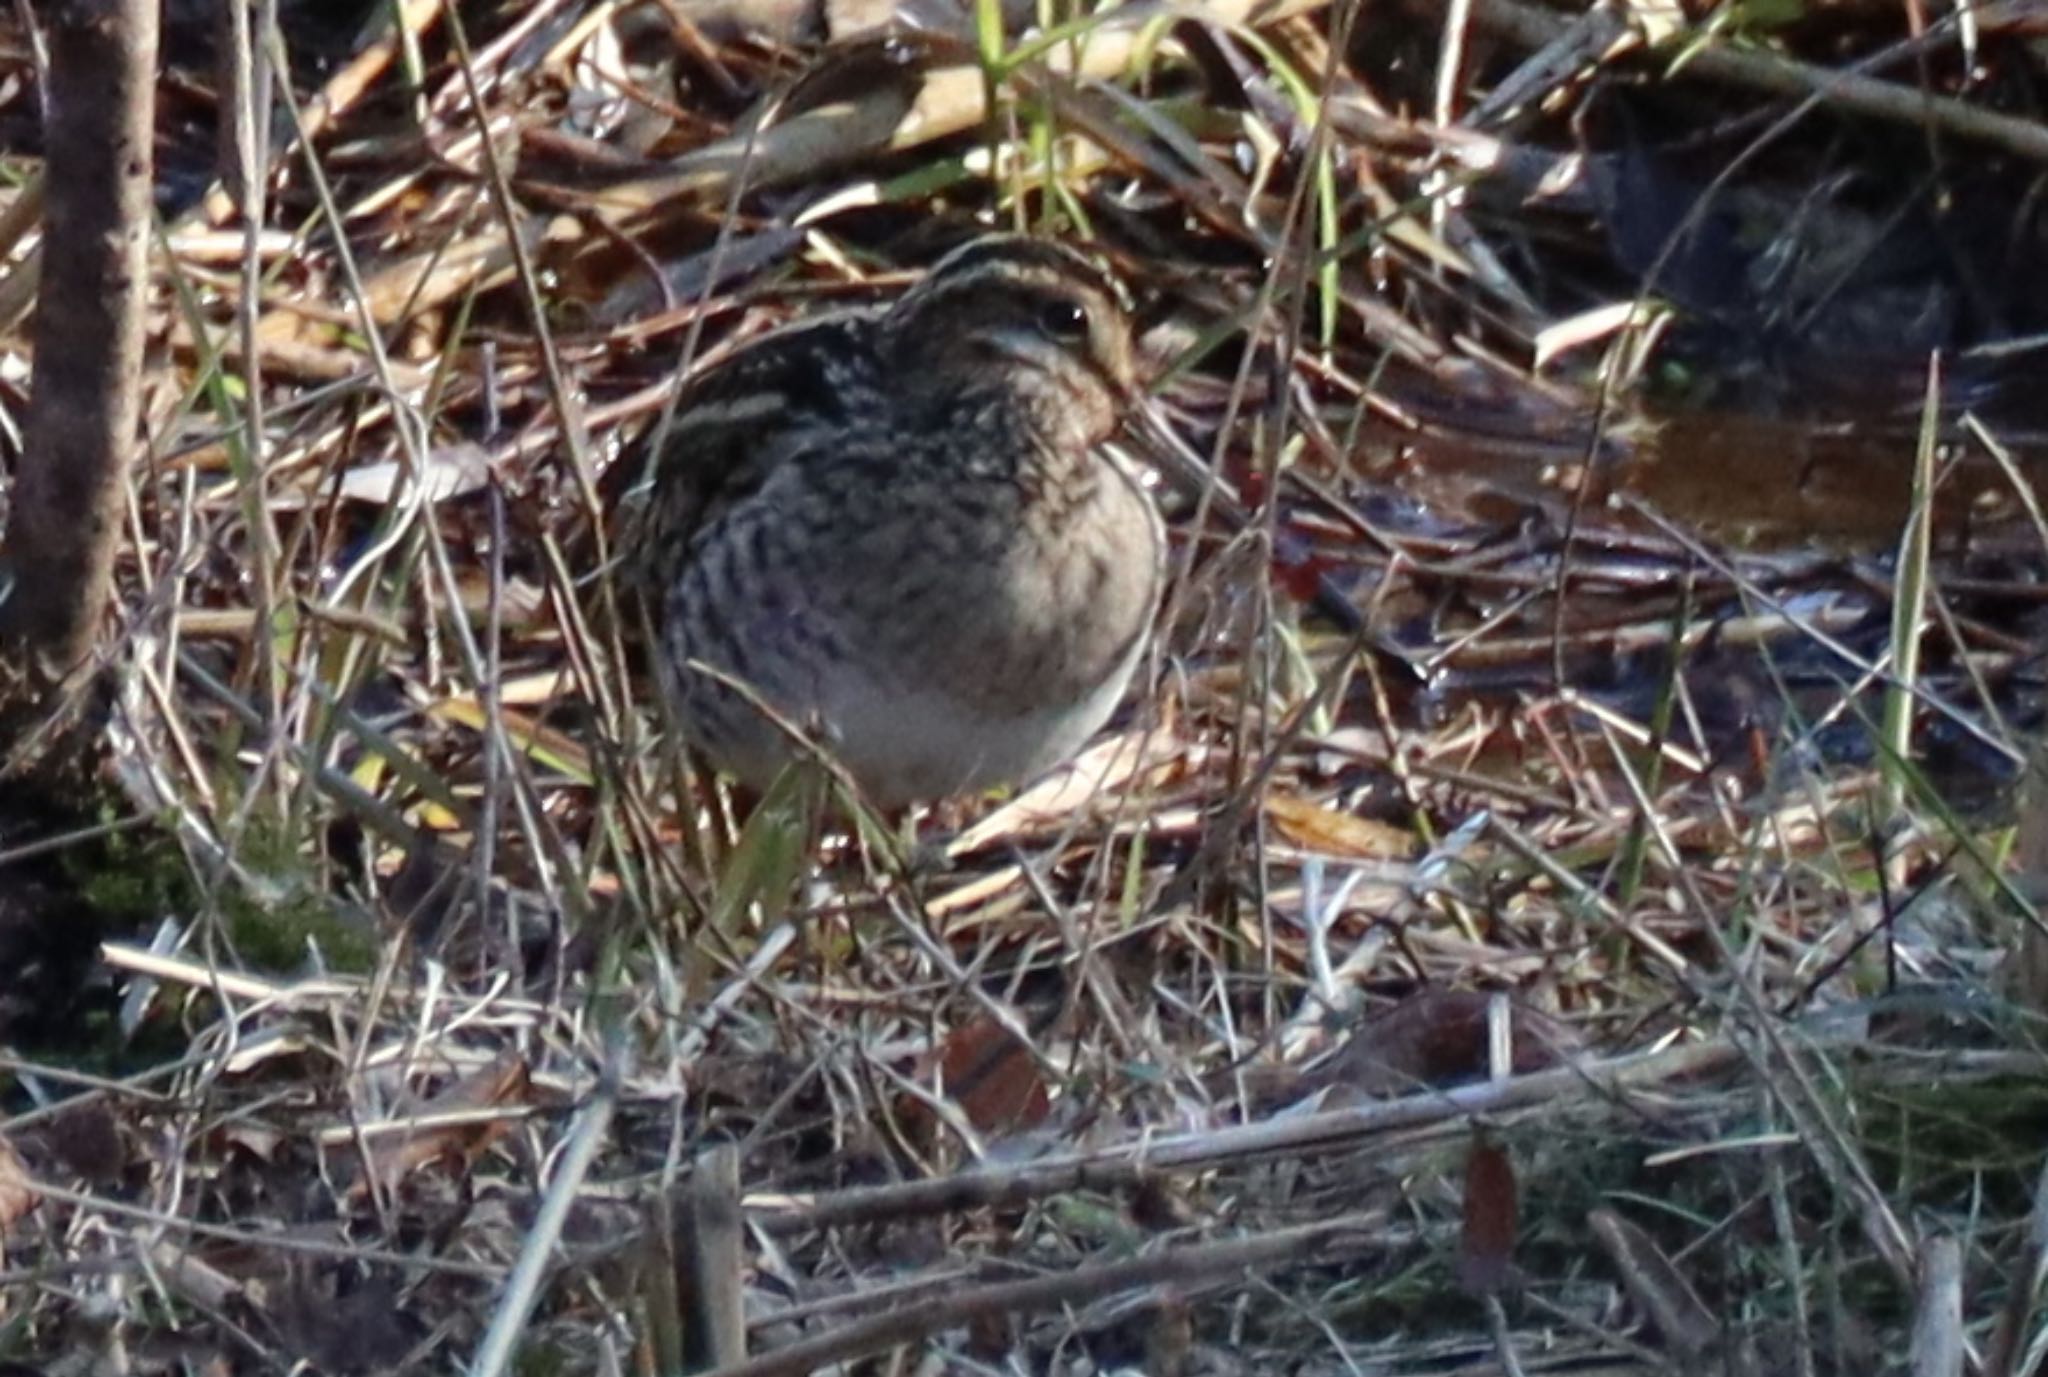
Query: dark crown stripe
[{"x": 1001, "y": 257}]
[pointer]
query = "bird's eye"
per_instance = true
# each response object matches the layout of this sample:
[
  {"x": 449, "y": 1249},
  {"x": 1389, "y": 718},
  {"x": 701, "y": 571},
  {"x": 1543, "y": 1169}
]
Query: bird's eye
[{"x": 1064, "y": 320}]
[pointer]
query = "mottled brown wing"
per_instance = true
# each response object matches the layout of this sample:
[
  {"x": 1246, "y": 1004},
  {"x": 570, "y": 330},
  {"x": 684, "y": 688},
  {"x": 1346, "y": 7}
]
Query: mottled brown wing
[{"x": 733, "y": 426}]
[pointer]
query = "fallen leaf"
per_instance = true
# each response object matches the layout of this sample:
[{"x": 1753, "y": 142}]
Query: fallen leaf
[
  {"x": 1437, "y": 1038},
  {"x": 1313, "y": 827},
  {"x": 987, "y": 1071},
  {"x": 18, "y": 1194},
  {"x": 1487, "y": 1243},
  {"x": 465, "y": 1127},
  {"x": 1102, "y": 772}
]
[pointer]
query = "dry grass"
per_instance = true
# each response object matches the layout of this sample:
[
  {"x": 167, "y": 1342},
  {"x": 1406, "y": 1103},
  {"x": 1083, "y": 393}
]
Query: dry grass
[{"x": 1513, "y": 932}]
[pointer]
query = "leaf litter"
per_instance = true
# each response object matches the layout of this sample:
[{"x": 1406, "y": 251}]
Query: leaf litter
[{"x": 1502, "y": 936}]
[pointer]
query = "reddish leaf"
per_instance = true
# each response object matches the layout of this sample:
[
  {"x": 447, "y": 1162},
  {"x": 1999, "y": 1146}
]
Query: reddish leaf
[
  {"x": 992, "y": 1076},
  {"x": 396, "y": 1155},
  {"x": 18, "y": 1194},
  {"x": 1437, "y": 1038},
  {"x": 1486, "y": 1251}
]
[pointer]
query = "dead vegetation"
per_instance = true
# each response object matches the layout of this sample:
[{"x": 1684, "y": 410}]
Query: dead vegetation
[{"x": 1551, "y": 911}]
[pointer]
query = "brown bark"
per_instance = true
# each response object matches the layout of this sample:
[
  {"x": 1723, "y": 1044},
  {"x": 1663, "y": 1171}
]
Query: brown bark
[{"x": 81, "y": 431}]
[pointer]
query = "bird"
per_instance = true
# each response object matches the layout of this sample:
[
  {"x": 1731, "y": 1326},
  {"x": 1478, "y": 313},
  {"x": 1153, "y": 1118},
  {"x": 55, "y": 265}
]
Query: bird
[{"x": 904, "y": 530}]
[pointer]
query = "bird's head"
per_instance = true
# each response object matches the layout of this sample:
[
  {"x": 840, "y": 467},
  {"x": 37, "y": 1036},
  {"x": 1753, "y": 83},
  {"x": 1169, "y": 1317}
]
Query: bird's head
[{"x": 1022, "y": 319}]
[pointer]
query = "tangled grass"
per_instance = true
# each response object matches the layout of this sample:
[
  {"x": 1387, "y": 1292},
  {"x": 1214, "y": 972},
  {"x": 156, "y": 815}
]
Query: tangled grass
[{"x": 1523, "y": 925}]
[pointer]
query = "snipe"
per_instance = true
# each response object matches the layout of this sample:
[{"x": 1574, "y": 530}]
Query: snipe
[{"x": 904, "y": 531}]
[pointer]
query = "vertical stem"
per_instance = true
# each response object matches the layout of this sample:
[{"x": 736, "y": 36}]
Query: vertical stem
[
  {"x": 246, "y": 82},
  {"x": 56, "y": 569}
]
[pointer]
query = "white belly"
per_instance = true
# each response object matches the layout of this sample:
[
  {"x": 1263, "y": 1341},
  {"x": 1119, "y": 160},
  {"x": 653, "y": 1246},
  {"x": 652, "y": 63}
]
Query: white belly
[{"x": 923, "y": 745}]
